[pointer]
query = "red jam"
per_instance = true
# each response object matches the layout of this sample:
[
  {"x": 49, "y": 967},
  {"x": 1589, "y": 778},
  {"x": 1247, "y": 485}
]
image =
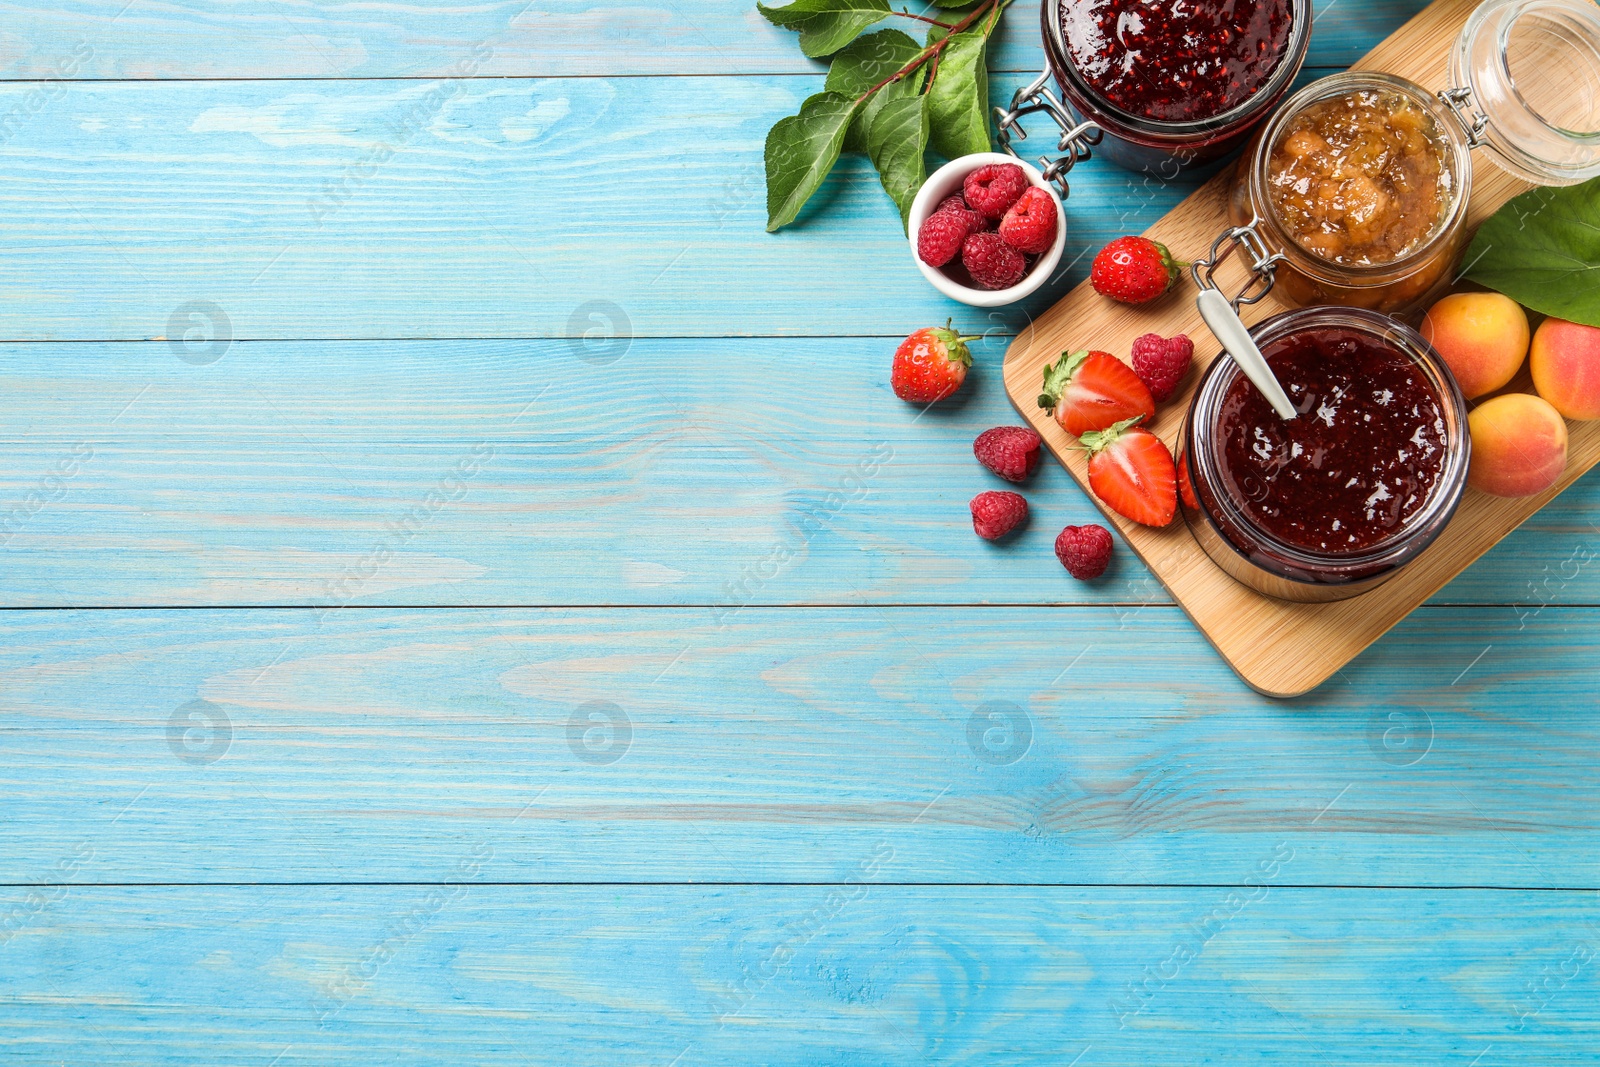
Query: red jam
[
  {"x": 1361, "y": 459},
  {"x": 1177, "y": 60}
]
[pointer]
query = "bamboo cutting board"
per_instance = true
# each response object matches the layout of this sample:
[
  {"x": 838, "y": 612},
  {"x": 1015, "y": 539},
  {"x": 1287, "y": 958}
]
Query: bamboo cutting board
[{"x": 1280, "y": 648}]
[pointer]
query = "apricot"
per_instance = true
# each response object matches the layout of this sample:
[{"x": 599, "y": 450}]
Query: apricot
[
  {"x": 1566, "y": 367},
  {"x": 1519, "y": 445},
  {"x": 1482, "y": 336}
]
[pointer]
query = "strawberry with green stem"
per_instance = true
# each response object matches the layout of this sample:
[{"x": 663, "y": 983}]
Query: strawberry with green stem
[
  {"x": 1134, "y": 270},
  {"x": 930, "y": 365},
  {"x": 1088, "y": 391},
  {"x": 1132, "y": 472}
]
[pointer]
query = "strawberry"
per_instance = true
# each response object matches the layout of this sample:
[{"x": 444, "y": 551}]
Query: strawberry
[
  {"x": 1185, "y": 486},
  {"x": 1134, "y": 270},
  {"x": 1091, "y": 390},
  {"x": 1132, "y": 473},
  {"x": 930, "y": 365},
  {"x": 996, "y": 513}
]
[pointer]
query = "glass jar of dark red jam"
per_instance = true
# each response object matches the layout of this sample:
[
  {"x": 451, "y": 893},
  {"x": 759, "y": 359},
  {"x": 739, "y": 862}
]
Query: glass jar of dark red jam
[
  {"x": 1162, "y": 85},
  {"x": 1332, "y": 502}
]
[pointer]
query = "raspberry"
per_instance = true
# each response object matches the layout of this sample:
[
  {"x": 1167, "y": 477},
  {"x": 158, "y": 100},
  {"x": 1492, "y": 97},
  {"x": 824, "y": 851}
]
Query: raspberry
[
  {"x": 995, "y": 514},
  {"x": 992, "y": 189},
  {"x": 1030, "y": 225},
  {"x": 940, "y": 238},
  {"x": 1161, "y": 363},
  {"x": 1012, "y": 452},
  {"x": 992, "y": 263},
  {"x": 959, "y": 206},
  {"x": 1084, "y": 550}
]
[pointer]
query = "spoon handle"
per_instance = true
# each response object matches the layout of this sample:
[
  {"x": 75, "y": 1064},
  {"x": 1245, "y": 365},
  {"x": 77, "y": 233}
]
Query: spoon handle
[{"x": 1238, "y": 343}]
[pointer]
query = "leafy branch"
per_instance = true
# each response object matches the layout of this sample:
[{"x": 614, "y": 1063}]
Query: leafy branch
[{"x": 886, "y": 95}]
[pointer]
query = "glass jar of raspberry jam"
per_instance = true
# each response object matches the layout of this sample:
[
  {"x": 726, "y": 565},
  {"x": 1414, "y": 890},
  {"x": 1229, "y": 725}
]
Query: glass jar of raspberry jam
[
  {"x": 1356, "y": 190},
  {"x": 1159, "y": 85},
  {"x": 1335, "y": 501}
]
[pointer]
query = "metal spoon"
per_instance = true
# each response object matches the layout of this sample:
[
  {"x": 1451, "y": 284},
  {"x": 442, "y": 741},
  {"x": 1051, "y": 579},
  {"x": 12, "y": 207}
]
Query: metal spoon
[
  {"x": 1237, "y": 342},
  {"x": 1222, "y": 314}
]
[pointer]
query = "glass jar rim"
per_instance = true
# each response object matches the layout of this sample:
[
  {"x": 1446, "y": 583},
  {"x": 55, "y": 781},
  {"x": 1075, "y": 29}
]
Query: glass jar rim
[
  {"x": 1447, "y": 491},
  {"x": 1287, "y": 70},
  {"x": 1510, "y": 149},
  {"x": 1355, "y": 275}
]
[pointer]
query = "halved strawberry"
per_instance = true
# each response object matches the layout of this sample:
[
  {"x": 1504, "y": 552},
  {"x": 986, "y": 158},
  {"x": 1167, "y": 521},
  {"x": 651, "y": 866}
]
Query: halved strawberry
[
  {"x": 1185, "y": 486},
  {"x": 1089, "y": 391},
  {"x": 1131, "y": 470}
]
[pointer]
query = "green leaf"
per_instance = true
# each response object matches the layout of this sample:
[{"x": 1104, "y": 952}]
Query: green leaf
[
  {"x": 958, "y": 101},
  {"x": 801, "y": 150},
  {"x": 855, "y": 140},
  {"x": 866, "y": 63},
  {"x": 870, "y": 58},
  {"x": 826, "y": 26},
  {"x": 896, "y": 142},
  {"x": 954, "y": 17},
  {"x": 1542, "y": 249}
]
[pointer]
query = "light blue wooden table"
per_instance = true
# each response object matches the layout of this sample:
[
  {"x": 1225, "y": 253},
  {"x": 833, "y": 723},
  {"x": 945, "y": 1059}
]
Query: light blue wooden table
[{"x": 389, "y": 676}]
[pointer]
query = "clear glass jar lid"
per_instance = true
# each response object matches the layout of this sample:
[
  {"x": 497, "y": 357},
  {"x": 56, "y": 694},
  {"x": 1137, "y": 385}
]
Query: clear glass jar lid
[{"x": 1530, "y": 69}]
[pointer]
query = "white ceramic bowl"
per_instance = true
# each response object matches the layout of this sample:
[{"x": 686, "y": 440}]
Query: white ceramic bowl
[{"x": 947, "y": 181}]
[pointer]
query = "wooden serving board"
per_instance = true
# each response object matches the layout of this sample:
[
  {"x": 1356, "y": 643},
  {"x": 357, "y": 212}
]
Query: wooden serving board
[{"x": 1280, "y": 648}]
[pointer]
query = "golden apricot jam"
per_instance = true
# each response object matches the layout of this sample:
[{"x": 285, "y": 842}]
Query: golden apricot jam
[{"x": 1362, "y": 179}]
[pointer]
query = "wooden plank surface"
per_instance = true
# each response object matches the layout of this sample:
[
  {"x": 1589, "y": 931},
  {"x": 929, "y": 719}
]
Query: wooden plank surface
[
  {"x": 773, "y": 744},
  {"x": 794, "y": 976},
  {"x": 445, "y": 209},
  {"x": 1280, "y": 648},
  {"x": 378, "y": 209},
  {"x": 333, "y": 177},
  {"x": 311, "y": 474},
  {"x": 217, "y": 39}
]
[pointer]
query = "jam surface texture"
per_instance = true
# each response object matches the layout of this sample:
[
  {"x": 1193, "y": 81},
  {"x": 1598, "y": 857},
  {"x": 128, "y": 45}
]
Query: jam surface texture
[
  {"x": 1362, "y": 179},
  {"x": 1176, "y": 60},
  {"x": 1361, "y": 459}
]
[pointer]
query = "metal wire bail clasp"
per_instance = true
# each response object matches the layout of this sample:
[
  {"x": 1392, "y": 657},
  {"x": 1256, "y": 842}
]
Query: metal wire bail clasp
[
  {"x": 1459, "y": 101},
  {"x": 1076, "y": 137},
  {"x": 1263, "y": 265}
]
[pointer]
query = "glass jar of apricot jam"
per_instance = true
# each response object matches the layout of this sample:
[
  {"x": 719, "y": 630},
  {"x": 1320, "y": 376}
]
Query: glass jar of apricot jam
[
  {"x": 1335, "y": 501},
  {"x": 1160, "y": 85},
  {"x": 1358, "y": 186}
]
